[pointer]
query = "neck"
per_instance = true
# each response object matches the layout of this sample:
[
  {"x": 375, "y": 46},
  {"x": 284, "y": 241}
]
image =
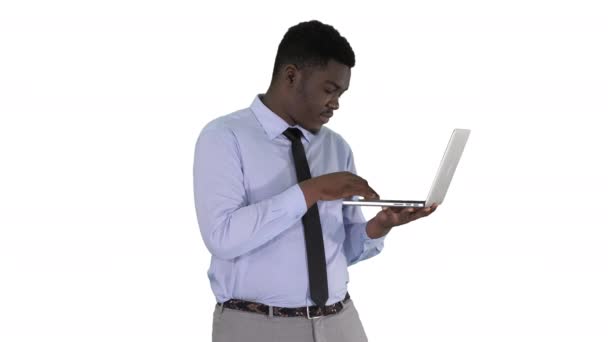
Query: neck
[{"x": 272, "y": 100}]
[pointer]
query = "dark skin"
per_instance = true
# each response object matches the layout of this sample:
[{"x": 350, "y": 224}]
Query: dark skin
[
  {"x": 308, "y": 97},
  {"x": 300, "y": 96}
]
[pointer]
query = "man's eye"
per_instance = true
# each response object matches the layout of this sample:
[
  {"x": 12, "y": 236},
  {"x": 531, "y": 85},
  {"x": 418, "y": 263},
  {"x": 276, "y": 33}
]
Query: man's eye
[{"x": 328, "y": 91}]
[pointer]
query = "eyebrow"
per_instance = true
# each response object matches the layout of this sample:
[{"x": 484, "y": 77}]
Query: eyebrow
[{"x": 335, "y": 84}]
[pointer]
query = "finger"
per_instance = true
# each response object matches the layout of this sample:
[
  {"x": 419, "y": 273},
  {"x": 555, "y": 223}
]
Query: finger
[
  {"x": 384, "y": 215},
  {"x": 371, "y": 196},
  {"x": 406, "y": 213},
  {"x": 414, "y": 213},
  {"x": 403, "y": 216},
  {"x": 421, "y": 212},
  {"x": 394, "y": 217},
  {"x": 425, "y": 212},
  {"x": 362, "y": 185},
  {"x": 369, "y": 190},
  {"x": 360, "y": 190},
  {"x": 431, "y": 209},
  {"x": 373, "y": 191},
  {"x": 430, "y": 212},
  {"x": 357, "y": 180},
  {"x": 369, "y": 193}
]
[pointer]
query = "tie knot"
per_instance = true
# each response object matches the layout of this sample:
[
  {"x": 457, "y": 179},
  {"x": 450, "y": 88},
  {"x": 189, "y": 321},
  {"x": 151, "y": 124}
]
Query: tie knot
[{"x": 293, "y": 134}]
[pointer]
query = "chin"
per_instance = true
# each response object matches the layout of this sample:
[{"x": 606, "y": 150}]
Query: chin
[
  {"x": 312, "y": 128},
  {"x": 315, "y": 129}
]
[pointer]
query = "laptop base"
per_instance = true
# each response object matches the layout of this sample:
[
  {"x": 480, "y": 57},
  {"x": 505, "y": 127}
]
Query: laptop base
[{"x": 385, "y": 203}]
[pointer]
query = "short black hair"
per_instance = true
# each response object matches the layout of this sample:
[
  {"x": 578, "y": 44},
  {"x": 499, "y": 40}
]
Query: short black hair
[{"x": 312, "y": 43}]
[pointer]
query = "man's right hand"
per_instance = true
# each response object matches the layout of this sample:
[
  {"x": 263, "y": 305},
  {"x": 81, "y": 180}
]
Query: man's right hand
[{"x": 337, "y": 185}]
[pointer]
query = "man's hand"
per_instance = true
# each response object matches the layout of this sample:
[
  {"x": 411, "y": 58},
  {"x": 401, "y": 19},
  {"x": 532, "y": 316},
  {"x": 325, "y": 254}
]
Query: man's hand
[
  {"x": 391, "y": 217},
  {"x": 337, "y": 185}
]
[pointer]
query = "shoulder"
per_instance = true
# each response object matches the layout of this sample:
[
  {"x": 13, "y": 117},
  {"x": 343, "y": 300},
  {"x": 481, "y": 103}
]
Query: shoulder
[
  {"x": 230, "y": 125},
  {"x": 334, "y": 138}
]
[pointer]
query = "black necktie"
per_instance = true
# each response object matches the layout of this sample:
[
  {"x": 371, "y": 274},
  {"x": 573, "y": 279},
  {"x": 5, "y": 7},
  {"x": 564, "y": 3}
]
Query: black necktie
[{"x": 315, "y": 250}]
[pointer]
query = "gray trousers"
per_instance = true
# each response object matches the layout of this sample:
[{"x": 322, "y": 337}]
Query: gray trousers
[{"x": 239, "y": 326}]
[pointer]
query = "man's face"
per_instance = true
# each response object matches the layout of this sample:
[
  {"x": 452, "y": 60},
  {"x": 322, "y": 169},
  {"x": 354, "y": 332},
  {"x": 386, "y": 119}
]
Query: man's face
[{"x": 317, "y": 93}]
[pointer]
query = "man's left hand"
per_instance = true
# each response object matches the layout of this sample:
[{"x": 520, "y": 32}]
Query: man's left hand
[{"x": 390, "y": 217}]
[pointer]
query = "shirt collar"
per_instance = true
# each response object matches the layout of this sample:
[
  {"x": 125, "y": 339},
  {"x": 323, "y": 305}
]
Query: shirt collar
[{"x": 273, "y": 124}]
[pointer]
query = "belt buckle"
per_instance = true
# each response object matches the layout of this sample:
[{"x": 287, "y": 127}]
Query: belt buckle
[{"x": 308, "y": 314}]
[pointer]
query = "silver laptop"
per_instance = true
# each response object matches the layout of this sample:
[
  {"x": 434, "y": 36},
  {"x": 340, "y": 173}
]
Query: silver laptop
[{"x": 444, "y": 175}]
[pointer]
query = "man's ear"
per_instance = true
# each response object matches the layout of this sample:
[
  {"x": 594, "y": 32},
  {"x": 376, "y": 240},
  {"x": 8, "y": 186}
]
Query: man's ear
[{"x": 291, "y": 74}]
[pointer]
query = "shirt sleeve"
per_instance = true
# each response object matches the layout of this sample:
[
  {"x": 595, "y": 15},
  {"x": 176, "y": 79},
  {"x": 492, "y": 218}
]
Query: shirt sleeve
[
  {"x": 230, "y": 227},
  {"x": 358, "y": 245}
]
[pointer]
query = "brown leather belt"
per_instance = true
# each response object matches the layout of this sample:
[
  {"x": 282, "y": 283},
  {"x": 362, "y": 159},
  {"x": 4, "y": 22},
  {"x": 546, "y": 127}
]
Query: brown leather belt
[{"x": 304, "y": 311}]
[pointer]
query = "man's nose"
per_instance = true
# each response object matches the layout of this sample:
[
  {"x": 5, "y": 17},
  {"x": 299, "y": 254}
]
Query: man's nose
[{"x": 334, "y": 105}]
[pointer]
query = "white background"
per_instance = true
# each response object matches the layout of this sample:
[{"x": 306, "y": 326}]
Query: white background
[{"x": 101, "y": 103}]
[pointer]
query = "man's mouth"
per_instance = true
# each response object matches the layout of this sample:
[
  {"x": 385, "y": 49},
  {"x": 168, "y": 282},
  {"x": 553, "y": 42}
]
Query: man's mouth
[{"x": 325, "y": 117}]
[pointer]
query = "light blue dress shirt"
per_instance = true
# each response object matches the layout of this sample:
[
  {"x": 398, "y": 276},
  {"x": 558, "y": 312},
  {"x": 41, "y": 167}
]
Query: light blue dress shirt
[{"x": 249, "y": 208}]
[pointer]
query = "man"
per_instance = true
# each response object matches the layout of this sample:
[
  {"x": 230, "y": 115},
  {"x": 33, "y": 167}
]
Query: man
[{"x": 268, "y": 185}]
